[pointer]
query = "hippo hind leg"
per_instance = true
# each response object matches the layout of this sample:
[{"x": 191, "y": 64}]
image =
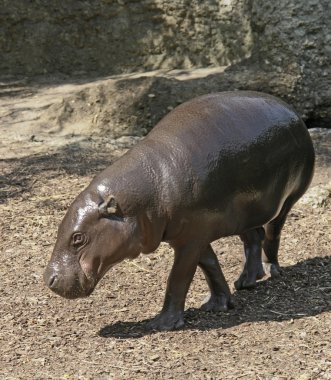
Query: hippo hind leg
[
  {"x": 272, "y": 239},
  {"x": 220, "y": 297},
  {"x": 253, "y": 269},
  {"x": 268, "y": 238}
]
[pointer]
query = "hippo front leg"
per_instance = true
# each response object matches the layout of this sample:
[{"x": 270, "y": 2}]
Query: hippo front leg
[{"x": 180, "y": 278}]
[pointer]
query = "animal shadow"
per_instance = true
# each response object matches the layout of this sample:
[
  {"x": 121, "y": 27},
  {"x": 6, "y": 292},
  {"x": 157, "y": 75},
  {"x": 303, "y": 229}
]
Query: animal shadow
[{"x": 303, "y": 290}]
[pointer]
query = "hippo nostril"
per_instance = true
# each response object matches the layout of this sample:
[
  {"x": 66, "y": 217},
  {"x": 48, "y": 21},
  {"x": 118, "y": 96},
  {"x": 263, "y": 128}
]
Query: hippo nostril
[{"x": 52, "y": 281}]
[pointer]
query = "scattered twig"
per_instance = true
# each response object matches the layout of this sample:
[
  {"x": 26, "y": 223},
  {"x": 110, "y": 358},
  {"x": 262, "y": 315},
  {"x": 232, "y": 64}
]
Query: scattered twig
[
  {"x": 138, "y": 266},
  {"x": 287, "y": 314}
]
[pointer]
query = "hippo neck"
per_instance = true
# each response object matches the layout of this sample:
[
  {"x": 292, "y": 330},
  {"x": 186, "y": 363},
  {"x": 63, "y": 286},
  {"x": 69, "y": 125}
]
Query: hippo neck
[
  {"x": 127, "y": 180},
  {"x": 130, "y": 179}
]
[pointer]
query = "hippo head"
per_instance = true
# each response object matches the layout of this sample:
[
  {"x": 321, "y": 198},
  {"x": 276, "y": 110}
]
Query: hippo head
[{"x": 93, "y": 236}]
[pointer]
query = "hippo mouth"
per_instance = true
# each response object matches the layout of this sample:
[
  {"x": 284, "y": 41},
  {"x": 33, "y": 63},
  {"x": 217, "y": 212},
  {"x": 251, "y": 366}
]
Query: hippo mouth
[
  {"x": 69, "y": 285},
  {"x": 95, "y": 270}
]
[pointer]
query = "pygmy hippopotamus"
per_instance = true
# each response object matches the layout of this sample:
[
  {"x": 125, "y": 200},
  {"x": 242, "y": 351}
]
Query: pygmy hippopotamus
[{"x": 230, "y": 163}]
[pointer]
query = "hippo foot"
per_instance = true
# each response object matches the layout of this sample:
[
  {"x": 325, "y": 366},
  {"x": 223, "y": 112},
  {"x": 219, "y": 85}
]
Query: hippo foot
[
  {"x": 167, "y": 321},
  {"x": 217, "y": 303},
  {"x": 271, "y": 269},
  {"x": 248, "y": 281}
]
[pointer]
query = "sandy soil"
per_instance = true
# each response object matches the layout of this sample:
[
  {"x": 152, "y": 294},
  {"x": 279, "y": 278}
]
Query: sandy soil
[{"x": 280, "y": 330}]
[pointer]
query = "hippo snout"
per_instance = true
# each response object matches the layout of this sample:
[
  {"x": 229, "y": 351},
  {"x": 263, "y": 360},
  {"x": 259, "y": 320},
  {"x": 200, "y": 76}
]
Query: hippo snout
[{"x": 70, "y": 284}]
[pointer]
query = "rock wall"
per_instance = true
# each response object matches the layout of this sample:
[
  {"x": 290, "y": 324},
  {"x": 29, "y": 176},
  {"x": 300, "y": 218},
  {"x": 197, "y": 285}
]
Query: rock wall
[
  {"x": 294, "y": 37},
  {"x": 281, "y": 47},
  {"x": 111, "y": 37}
]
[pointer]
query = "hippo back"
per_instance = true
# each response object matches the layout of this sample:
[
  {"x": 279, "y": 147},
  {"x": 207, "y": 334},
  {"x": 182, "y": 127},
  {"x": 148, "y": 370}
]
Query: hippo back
[{"x": 231, "y": 143}]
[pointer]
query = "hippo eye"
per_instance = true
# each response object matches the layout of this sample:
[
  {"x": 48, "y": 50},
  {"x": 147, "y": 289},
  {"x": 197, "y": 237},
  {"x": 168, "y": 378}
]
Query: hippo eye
[{"x": 78, "y": 239}]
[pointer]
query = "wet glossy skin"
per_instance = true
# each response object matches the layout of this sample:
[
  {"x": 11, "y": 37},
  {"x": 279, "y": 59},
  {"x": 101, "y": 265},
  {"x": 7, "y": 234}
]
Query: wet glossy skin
[{"x": 223, "y": 164}]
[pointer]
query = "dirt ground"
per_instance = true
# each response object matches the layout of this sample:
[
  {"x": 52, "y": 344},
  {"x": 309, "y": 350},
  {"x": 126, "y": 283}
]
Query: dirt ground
[{"x": 280, "y": 330}]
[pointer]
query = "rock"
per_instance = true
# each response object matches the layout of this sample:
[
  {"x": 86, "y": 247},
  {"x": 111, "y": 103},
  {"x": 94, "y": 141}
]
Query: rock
[
  {"x": 319, "y": 134},
  {"x": 317, "y": 196},
  {"x": 126, "y": 141},
  {"x": 282, "y": 48},
  {"x": 111, "y": 37}
]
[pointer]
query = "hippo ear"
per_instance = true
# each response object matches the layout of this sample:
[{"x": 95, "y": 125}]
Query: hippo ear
[{"x": 109, "y": 206}]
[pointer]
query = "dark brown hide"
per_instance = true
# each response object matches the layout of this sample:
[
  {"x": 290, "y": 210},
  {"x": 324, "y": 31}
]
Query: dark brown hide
[{"x": 223, "y": 164}]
